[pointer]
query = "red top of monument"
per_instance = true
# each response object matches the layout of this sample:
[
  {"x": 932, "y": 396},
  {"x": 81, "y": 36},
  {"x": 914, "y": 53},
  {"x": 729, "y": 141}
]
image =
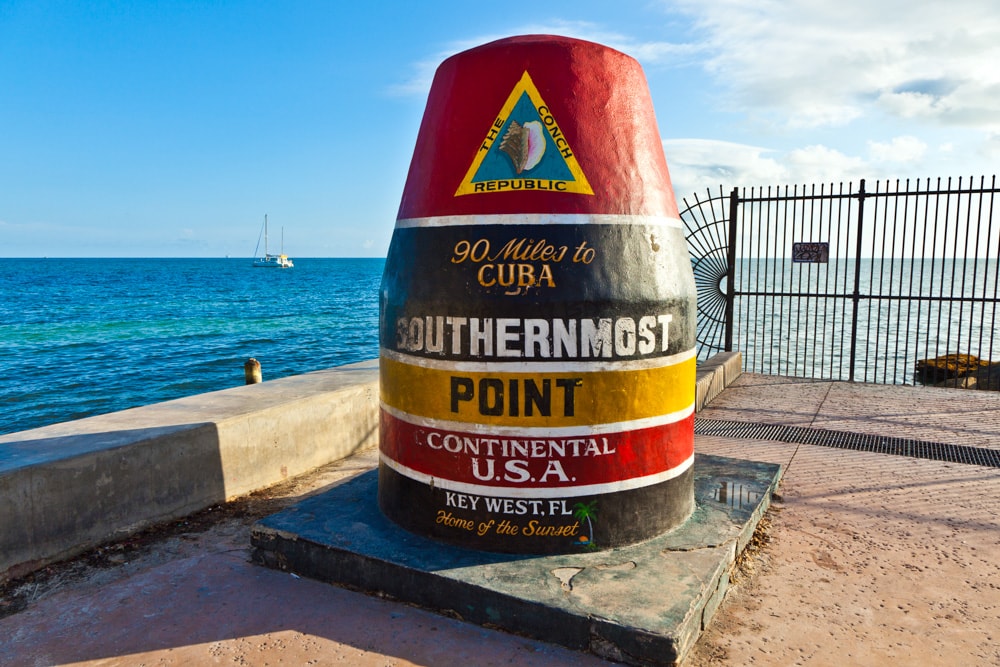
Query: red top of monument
[{"x": 538, "y": 124}]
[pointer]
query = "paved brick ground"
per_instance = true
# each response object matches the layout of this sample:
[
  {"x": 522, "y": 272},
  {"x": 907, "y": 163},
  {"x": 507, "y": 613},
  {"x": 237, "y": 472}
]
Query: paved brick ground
[
  {"x": 955, "y": 416},
  {"x": 873, "y": 559}
]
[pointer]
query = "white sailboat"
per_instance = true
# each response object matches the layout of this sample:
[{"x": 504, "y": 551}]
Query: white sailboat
[{"x": 268, "y": 260}]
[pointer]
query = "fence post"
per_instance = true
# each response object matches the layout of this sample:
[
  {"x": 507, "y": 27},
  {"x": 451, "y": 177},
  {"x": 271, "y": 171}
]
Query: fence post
[
  {"x": 856, "y": 295},
  {"x": 734, "y": 203}
]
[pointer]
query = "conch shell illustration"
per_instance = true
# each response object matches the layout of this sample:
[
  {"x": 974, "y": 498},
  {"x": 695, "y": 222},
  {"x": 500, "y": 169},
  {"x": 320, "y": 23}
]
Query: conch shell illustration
[{"x": 525, "y": 144}]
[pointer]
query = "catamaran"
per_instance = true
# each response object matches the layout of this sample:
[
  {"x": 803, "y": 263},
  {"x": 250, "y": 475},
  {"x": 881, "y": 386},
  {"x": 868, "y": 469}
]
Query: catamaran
[{"x": 272, "y": 261}]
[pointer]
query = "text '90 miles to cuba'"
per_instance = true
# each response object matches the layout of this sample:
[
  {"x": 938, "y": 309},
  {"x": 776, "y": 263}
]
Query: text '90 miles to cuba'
[{"x": 519, "y": 264}]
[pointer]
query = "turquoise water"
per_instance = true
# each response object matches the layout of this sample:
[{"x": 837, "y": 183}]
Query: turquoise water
[{"x": 80, "y": 337}]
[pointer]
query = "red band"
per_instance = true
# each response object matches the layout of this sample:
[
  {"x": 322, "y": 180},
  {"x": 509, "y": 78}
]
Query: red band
[
  {"x": 523, "y": 461},
  {"x": 598, "y": 97}
]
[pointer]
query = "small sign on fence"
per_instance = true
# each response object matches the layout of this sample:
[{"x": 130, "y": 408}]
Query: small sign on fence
[{"x": 811, "y": 253}]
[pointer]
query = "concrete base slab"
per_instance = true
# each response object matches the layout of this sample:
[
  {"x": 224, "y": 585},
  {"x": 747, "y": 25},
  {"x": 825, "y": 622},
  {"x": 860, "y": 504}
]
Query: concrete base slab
[{"x": 641, "y": 604}]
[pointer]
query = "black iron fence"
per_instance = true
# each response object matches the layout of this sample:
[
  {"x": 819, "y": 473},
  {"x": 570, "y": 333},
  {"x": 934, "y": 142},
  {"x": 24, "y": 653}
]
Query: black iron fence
[{"x": 840, "y": 283}]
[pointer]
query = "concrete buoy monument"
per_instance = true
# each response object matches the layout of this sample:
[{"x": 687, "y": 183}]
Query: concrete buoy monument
[
  {"x": 537, "y": 376},
  {"x": 537, "y": 312}
]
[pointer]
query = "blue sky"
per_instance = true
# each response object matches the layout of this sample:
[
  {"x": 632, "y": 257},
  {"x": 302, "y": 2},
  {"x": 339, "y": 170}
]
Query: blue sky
[{"x": 169, "y": 129}]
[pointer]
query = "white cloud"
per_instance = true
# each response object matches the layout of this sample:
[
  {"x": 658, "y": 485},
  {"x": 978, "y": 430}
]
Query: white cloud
[
  {"x": 810, "y": 63},
  {"x": 697, "y": 164},
  {"x": 700, "y": 164},
  {"x": 899, "y": 149},
  {"x": 419, "y": 82},
  {"x": 821, "y": 164},
  {"x": 990, "y": 148}
]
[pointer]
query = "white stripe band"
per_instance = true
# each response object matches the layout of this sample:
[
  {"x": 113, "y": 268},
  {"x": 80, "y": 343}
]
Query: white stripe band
[
  {"x": 546, "y": 492},
  {"x": 576, "y": 366},
  {"x": 540, "y": 219},
  {"x": 528, "y": 432}
]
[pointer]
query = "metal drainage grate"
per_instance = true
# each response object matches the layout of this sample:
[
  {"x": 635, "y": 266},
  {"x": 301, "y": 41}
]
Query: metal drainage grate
[{"x": 862, "y": 442}]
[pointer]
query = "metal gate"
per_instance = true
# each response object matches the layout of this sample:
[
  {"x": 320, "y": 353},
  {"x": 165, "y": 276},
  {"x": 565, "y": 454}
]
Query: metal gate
[{"x": 839, "y": 283}]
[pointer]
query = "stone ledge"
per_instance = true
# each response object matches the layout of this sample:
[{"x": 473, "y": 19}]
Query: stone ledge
[
  {"x": 68, "y": 487},
  {"x": 644, "y": 604},
  {"x": 714, "y": 375}
]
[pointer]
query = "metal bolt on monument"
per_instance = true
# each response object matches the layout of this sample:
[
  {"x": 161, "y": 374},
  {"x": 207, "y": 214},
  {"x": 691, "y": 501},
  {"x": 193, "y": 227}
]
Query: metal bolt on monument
[{"x": 537, "y": 316}]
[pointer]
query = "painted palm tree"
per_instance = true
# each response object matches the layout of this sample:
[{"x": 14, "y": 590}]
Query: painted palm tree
[{"x": 586, "y": 511}]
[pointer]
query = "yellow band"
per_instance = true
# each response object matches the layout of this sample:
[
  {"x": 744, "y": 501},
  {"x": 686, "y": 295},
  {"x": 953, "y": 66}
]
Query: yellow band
[{"x": 537, "y": 399}]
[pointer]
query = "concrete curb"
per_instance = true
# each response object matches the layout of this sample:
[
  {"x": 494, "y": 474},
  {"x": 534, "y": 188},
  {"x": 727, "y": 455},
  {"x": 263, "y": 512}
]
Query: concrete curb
[
  {"x": 68, "y": 487},
  {"x": 714, "y": 375}
]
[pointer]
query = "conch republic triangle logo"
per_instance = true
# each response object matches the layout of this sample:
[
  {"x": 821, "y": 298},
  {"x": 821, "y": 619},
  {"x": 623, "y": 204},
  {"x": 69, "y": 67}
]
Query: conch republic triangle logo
[{"x": 524, "y": 150}]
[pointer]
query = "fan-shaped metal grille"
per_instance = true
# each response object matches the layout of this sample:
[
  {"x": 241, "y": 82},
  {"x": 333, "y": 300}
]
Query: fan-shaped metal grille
[{"x": 705, "y": 221}]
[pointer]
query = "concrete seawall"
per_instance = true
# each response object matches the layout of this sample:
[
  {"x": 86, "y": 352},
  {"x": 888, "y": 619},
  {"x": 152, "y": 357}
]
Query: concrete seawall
[{"x": 68, "y": 487}]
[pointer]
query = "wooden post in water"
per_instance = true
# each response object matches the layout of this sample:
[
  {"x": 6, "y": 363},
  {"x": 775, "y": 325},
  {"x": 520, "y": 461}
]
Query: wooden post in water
[{"x": 251, "y": 369}]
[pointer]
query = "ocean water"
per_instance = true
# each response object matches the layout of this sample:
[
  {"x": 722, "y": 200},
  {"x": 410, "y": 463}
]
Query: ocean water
[
  {"x": 909, "y": 309},
  {"x": 81, "y": 337}
]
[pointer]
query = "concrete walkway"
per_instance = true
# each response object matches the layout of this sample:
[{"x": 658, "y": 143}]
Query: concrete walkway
[{"x": 872, "y": 559}]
